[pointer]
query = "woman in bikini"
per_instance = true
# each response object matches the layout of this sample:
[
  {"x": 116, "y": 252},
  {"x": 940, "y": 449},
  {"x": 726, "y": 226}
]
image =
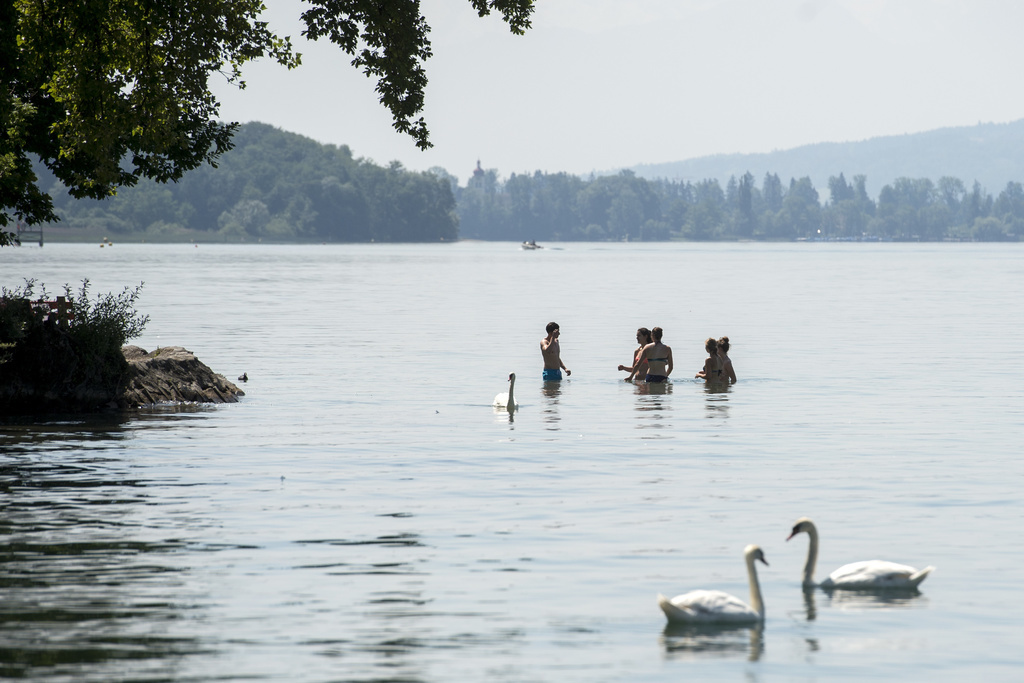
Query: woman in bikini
[
  {"x": 712, "y": 371},
  {"x": 658, "y": 357},
  {"x": 643, "y": 337},
  {"x": 723, "y": 355}
]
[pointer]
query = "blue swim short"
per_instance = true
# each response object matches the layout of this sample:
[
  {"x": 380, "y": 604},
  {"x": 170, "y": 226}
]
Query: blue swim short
[
  {"x": 656, "y": 378},
  {"x": 552, "y": 375}
]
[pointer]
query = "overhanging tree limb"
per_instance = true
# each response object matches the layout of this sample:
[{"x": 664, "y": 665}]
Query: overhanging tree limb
[{"x": 105, "y": 92}]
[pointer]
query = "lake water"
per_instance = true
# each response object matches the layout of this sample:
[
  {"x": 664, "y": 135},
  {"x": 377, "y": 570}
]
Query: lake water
[{"x": 363, "y": 514}]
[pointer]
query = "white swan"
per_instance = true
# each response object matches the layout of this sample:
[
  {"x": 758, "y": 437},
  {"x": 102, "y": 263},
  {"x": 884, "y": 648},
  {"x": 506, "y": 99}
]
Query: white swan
[
  {"x": 870, "y": 574},
  {"x": 700, "y": 607},
  {"x": 507, "y": 400}
]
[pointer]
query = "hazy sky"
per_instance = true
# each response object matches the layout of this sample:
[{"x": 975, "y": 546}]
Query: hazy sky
[{"x": 598, "y": 84}]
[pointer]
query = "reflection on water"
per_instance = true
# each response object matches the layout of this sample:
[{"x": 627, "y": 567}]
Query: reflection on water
[
  {"x": 17, "y": 435},
  {"x": 93, "y": 602},
  {"x": 703, "y": 641},
  {"x": 869, "y": 599},
  {"x": 502, "y": 415},
  {"x": 339, "y": 525},
  {"x": 861, "y": 599},
  {"x": 551, "y": 392},
  {"x": 653, "y": 409},
  {"x": 809, "y": 605},
  {"x": 716, "y": 403},
  {"x": 72, "y": 567},
  {"x": 20, "y": 434},
  {"x": 107, "y": 574}
]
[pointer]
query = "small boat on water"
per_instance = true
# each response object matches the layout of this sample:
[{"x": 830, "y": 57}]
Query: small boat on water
[{"x": 531, "y": 245}]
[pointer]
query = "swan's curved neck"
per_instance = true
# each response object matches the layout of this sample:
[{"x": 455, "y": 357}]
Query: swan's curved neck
[
  {"x": 755, "y": 587},
  {"x": 812, "y": 555},
  {"x": 511, "y": 398}
]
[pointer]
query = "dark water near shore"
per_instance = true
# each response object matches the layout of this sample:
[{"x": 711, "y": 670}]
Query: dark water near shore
[{"x": 364, "y": 515}]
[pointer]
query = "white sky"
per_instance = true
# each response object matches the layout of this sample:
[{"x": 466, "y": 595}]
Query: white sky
[{"x": 598, "y": 85}]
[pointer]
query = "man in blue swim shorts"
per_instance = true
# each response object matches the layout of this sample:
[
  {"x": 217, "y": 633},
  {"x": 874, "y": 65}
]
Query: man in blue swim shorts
[{"x": 551, "y": 352}]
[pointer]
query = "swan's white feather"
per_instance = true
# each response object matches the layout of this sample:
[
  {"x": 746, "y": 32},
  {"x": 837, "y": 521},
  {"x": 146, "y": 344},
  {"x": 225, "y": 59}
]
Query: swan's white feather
[
  {"x": 711, "y": 606},
  {"x": 875, "y": 574},
  {"x": 706, "y": 606},
  {"x": 502, "y": 399},
  {"x": 866, "y": 575}
]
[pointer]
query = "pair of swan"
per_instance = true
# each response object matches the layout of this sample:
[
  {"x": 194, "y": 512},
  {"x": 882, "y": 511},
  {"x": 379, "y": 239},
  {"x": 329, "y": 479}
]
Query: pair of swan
[
  {"x": 703, "y": 606},
  {"x": 507, "y": 399}
]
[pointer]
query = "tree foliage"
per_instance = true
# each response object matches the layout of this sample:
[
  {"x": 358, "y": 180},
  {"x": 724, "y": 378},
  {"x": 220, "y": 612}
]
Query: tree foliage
[
  {"x": 276, "y": 186},
  {"x": 67, "y": 358},
  {"x": 388, "y": 41},
  {"x": 106, "y": 92},
  {"x": 279, "y": 186},
  {"x": 624, "y": 207}
]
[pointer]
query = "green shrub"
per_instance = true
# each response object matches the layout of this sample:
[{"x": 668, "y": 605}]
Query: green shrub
[
  {"x": 69, "y": 360},
  {"x": 108, "y": 323}
]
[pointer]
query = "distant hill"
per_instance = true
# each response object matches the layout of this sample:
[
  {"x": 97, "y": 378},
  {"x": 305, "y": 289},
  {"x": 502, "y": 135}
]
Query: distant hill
[
  {"x": 273, "y": 186},
  {"x": 991, "y": 153},
  {"x": 276, "y": 186}
]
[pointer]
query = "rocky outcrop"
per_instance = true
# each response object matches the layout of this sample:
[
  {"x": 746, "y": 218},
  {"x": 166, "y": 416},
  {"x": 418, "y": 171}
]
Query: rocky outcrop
[{"x": 172, "y": 374}]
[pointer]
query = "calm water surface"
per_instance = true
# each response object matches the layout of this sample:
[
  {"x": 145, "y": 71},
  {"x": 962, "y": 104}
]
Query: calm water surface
[{"x": 365, "y": 515}]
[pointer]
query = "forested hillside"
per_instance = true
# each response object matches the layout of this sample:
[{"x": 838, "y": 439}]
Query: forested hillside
[{"x": 278, "y": 186}]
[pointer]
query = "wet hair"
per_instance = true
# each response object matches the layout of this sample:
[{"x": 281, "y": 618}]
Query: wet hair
[
  {"x": 711, "y": 346},
  {"x": 551, "y": 327},
  {"x": 656, "y": 333},
  {"x": 723, "y": 344},
  {"x": 645, "y": 333}
]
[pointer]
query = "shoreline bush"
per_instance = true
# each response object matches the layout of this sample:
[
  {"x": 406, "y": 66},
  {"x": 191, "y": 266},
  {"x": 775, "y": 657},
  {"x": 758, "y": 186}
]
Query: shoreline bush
[{"x": 65, "y": 360}]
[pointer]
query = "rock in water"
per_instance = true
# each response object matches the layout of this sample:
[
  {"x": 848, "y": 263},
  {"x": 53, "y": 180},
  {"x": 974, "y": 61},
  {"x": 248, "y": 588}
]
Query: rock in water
[{"x": 173, "y": 374}]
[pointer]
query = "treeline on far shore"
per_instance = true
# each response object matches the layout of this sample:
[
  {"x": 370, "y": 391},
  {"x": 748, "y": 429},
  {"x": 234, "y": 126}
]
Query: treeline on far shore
[
  {"x": 279, "y": 186},
  {"x": 626, "y": 207}
]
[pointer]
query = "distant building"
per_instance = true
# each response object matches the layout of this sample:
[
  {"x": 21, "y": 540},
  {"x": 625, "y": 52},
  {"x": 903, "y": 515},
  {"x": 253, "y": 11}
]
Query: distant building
[{"x": 479, "y": 179}]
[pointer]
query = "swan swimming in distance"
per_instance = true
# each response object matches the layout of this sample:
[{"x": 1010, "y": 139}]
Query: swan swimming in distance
[
  {"x": 866, "y": 575},
  {"x": 507, "y": 400},
  {"x": 708, "y": 607}
]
